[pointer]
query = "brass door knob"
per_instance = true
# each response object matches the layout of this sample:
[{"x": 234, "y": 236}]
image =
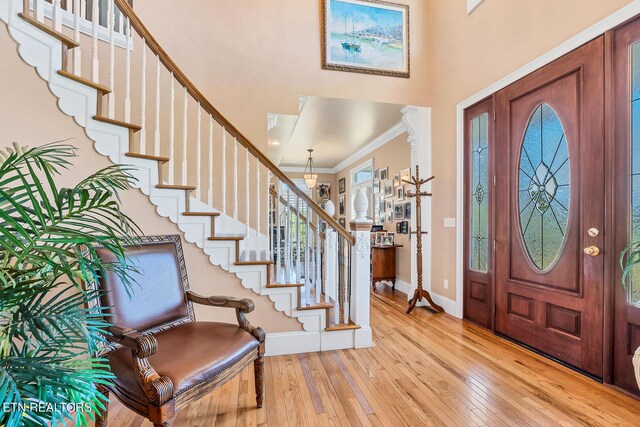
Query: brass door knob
[{"x": 592, "y": 251}]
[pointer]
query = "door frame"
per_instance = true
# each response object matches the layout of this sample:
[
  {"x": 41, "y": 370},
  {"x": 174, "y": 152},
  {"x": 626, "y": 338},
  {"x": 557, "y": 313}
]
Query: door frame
[{"x": 604, "y": 26}]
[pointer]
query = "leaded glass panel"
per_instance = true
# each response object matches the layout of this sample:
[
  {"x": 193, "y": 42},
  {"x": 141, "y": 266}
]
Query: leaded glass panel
[
  {"x": 479, "y": 195},
  {"x": 634, "y": 289},
  {"x": 544, "y": 187}
]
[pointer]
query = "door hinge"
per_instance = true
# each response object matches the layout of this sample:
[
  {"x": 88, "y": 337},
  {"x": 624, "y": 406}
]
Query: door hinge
[
  {"x": 494, "y": 245},
  {"x": 494, "y": 114},
  {"x": 495, "y": 180},
  {"x": 494, "y": 310}
]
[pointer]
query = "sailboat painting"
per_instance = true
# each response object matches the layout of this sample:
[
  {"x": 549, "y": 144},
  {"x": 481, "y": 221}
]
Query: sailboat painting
[{"x": 365, "y": 36}]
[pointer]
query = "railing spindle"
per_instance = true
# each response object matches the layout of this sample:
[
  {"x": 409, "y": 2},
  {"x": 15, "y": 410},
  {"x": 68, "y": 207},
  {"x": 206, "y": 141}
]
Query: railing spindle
[
  {"x": 185, "y": 135},
  {"x": 199, "y": 155},
  {"x": 127, "y": 78},
  {"x": 235, "y": 179},
  {"x": 318, "y": 261},
  {"x": 156, "y": 139},
  {"x": 258, "y": 203},
  {"x": 95, "y": 62},
  {"x": 57, "y": 18},
  {"x": 345, "y": 293},
  {"x": 77, "y": 56},
  {"x": 38, "y": 9},
  {"x": 287, "y": 240},
  {"x": 172, "y": 132},
  {"x": 143, "y": 104},
  {"x": 210, "y": 191},
  {"x": 307, "y": 234},
  {"x": 111, "y": 99},
  {"x": 223, "y": 176},
  {"x": 247, "y": 208},
  {"x": 278, "y": 224}
]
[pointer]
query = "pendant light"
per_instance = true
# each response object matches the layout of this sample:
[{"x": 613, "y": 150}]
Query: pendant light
[{"x": 310, "y": 177}]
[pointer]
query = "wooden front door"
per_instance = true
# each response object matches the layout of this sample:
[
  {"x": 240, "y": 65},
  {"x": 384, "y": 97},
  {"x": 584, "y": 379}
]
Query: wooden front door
[
  {"x": 626, "y": 197},
  {"x": 549, "y": 210}
]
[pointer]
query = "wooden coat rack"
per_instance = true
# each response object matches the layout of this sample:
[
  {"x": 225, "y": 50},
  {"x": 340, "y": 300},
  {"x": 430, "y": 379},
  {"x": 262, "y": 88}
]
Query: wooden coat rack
[{"x": 420, "y": 292}]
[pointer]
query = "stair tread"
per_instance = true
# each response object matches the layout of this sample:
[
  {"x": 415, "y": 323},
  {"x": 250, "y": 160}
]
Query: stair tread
[
  {"x": 201, "y": 213},
  {"x": 176, "y": 187},
  {"x": 86, "y": 82},
  {"x": 284, "y": 285},
  {"x": 131, "y": 126},
  {"x": 147, "y": 156},
  {"x": 343, "y": 327},
  {"x": 311, "y": 304},
  {"x": 68, "y": 41},
  {"x": 226, "y": 237}
]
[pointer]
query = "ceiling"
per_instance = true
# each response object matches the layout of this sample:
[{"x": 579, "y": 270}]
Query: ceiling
[{"x": 334, "y": 128}]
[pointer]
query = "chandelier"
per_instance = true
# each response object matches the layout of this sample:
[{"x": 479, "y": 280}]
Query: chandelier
[{"x": 310, "y": 177}]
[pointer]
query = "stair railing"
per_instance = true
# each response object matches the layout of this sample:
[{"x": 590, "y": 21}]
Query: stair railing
[{"x": 197, "y": 148}]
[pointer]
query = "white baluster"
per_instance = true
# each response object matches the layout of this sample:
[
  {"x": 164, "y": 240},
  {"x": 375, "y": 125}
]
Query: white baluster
[
  {"x": 345, "y": 293},
  {"x": 287, "y": 239},
  {"x": 223, "y": 177},
  {"x": 172, "y": 131},
  {"x": 278, "y": 219},
  {"x": 235, "y": 178},
  {"x": 83, "y": 8},
  {"x": 210, "y": 192},
  {"x": 57, "y": 18},
  {"x": 143, "y": 104},
  {"x": 95, "y": 62},
  {"x": 307, "y": 254},
  {"x": 120, "y": 22},
  {"x": 247, "y": 191},
  {"x": 112, "y": 59},
  {"x": 258, "y": 196},
  {"x": 199, "y": 154},
  {"x": 156, "y": 143},
  {"x": 318, "y": 262},
  {"x": 77, "y": 58},
  {"x": 127, "y": 78},
  {"x": 185, "y": 135},
  {"x": 298, "y": 243}
]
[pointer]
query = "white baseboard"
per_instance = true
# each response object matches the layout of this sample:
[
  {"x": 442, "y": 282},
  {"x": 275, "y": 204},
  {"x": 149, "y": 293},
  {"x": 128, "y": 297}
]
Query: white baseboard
[
  {"x": 401, "y": 285},
  {"x": 279, "y": 343}
]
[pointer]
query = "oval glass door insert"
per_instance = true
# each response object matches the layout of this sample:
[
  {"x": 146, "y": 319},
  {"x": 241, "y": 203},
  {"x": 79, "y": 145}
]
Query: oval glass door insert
[{"x": 544, "y": 187}]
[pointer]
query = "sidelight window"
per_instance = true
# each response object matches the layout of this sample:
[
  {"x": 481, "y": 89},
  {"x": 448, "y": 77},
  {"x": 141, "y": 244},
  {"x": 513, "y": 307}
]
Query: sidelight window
[
  {"x": 634, "y": 213},
  {"x": 479, "y": 196}
]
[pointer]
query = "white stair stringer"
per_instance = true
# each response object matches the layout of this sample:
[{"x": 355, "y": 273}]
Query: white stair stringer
[{"x": 44, "y": 53}]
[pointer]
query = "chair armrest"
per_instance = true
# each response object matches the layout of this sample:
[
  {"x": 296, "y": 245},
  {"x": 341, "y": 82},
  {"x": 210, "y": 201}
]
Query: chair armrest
[
  {"x": 159, "y": 389},
  {"x": 242, "y": 307},
  {"x": 144, "y": 345}
]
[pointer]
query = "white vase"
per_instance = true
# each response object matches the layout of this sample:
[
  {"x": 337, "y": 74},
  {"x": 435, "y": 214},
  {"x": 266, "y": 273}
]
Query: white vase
[
  {"x": 330, "y": 208},
  {"x": 636, "y": 365},
  {"x": 360, "y": 205}
]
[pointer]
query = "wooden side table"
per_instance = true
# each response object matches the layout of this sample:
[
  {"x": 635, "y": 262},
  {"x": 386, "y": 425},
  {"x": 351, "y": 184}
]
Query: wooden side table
[{"x": 383, "y": 264}]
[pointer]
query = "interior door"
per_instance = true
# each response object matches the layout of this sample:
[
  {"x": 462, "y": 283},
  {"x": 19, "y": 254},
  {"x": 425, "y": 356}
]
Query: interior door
[
  {"x": 549, "y": 163},
  {"x": 626, "y": 67}
]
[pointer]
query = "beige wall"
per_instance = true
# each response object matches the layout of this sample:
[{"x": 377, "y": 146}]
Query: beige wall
[
  {"x": 468, "y": 53},
  {"x": 29, "y": 116},
  {"x": 261, "y": 55}
]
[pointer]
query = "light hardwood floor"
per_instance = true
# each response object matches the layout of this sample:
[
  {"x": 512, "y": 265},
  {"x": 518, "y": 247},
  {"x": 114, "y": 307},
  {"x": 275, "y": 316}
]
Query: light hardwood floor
[{"x": 424, "y": 369}]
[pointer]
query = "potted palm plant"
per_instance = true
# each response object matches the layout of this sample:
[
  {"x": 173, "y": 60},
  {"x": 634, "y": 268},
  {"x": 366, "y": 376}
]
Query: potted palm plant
[
  {"x": 48, "y": 335},
  {"x": 629, "y": 259}
]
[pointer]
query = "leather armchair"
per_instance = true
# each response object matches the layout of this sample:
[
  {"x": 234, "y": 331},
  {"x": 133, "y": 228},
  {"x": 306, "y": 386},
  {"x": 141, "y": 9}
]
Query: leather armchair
[{"x": 162, "y": 358}]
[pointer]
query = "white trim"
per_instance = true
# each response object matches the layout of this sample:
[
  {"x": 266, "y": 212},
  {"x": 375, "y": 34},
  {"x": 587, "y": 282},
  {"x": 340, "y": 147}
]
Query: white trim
[
  {"x": 401, "y": 285},
  {"x": 387, "y": 136},
  {"x": 279, "y": 343},
  {"x": 472, "y": 5},
  {"x": 616, "y": 18}
]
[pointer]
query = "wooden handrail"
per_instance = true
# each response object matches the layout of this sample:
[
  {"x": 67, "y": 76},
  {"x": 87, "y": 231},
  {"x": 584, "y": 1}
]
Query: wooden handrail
[{"x": 155, "y": 47}]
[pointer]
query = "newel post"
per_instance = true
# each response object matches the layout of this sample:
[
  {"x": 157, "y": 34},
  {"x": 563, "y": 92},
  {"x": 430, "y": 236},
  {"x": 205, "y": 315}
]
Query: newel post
[
  {"x": 360, "y": 271},
  {"x": 331, "y": 257}
]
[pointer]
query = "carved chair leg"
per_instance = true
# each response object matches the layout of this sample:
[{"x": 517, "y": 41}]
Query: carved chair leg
[
  {"x": 258, "y": 367},
  {"x": 101, "y": 418}
]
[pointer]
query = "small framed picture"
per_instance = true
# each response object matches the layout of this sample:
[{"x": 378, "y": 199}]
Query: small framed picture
[
  {"x": 324, "y": 192},
  {"x": 379, "y": 237},
  {"x": 342, "y": 222},
  {"x": 396, "y": 180},
  {"x": 342, "y": 185},
  {"x": 407, "y": 210},
  {"x": 376, "y": 187},
  {"x": 376, "y": 174},
  {"x": 387, "y": 240},
  {"x": 405, "y": 227},
  {"x": 398, "y": 228},
  {"x": 398, "y": 211},
  {"x": 400, "y": 193},
  {"x": 390, "y": 216},
  {"x": 389, "y": 206},
  {"x": 341, "y": 204},
  {"x": 381, "y": 205},
  {"x": 384, "y": 174},
  {"x": 388, "y": 189},
  {"x": 405, "y": 176},
  {"x": 381, "y": 218},
  {"x": 391, "y": 236}
]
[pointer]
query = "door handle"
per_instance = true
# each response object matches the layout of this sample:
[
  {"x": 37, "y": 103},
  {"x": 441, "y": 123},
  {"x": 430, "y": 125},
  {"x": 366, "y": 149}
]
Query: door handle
[{"x": 592, "y": 251}]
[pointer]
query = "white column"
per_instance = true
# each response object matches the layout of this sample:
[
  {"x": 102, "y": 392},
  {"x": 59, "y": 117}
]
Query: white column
[
  {"x": 95, "y": 62},
  {"x": 360, "y": 274},
  {"x": 77, "y": 61},
  {"x": 111, "y": 22}
]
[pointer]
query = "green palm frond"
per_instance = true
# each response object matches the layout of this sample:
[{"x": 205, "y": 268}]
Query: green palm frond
[{"x": 48, "y": 240}]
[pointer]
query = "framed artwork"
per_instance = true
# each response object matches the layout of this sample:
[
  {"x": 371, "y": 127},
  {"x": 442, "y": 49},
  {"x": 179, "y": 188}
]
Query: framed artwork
[
  {"x": 342, "y": 222},
  {"x": 342, "y": 205},
  {"x": 396, "y": 180},
  {"x": 381, "y": 204},
  {"x": 384, "y": 174},
  {"x": 365, "y": 36},
  {"x": 398, "y": 228},
  {"x": 388, "y": 189},
  {"x": 405, "y": 175},
  {"x": 382, "y": 218},
  {"x": 376, "y": 174},
  {"x": 405, "y": 227},
  {"x": 387, "y": 240},
  {"x": 390, "y": 216},
  {"x": 376, "y": 228},
  {"x": 400, "y": 193},
  {"x": 389, "y": 206},
  {"x": 379, "y": 237},
  {"x": 324, "y": 192},
  {"x": 398, "y": 211},
  {"x": 407, "y": 210},
  {"x": 392, "y": 236},
  {"x": 376, "y": 187},
  {"x": 342, "y": 185}
]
